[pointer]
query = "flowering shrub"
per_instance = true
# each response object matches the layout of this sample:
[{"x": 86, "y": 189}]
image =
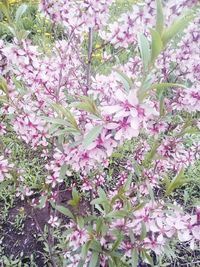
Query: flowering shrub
[{"x": 80, "y": 120}]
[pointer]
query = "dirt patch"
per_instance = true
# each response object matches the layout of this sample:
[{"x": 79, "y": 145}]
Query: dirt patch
[
  {"x": 20, "y": 232},
  {"x": 25, "y": 224}
]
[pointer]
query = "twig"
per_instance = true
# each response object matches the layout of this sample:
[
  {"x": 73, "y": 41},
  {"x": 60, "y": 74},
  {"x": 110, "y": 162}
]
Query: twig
[{"x": 88, "y": 78}]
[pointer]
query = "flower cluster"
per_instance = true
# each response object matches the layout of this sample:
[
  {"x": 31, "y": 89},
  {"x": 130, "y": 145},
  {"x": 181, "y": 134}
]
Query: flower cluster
[
  {"x": 160, "y": 222},
  {"x": 78, "y": 16},
  {"x": 5, "y": 167},
  {"x": 140, "y": 19},
  {"x": 2, "y": 128},
  {"x": 187, "y": 100}
]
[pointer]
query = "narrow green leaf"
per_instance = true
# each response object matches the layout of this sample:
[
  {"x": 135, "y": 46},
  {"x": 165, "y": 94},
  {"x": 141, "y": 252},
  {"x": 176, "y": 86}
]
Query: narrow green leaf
[
  {"x": 85, "y": 249},
  {"x": 177, "y": 182},
  {"x": 177, "y": 26},
  {"x": 75, "y": 198},
  {"x": 135, "y": 258},
  {"x": 75, "y": 194},
  {"x": 126, "y": 81},
  {"x": 99, "y": 224},
  {"x": 143, "y": 231},
  {"x": 64, "y": 112},
  {"x": 101, "y": 193},
  {"x": 117, "y": 243},
  {"x": 64, "y": 211},
  {"x": 156, "y": 45},
  {"x": 88, "y": 105},
  {"x": 97, "y": 201},
  {"x": 63, "y": 171},
  {"x": 150, "y": 190},
  {"x": 92, "y": 135},
  {"x": 42, "y": 202},
  {"x": 140, "y": 206},
  {"x": 117, "y": 214},
  {"x": 80, "y": 221},
  {"x": 160, "y": 86},
  {"x": 159, "y": 16},
  {"x": 128, "y": 183},
  {"x": 12, "y": 30},
  {"x": 146, "y": 257},
  {"x": 94, "y": 259},
  {"x": 95, "y": 246},
  {"x": 144, "y": 50},
  {"x": 20, "y": 12},
  {"x": 3, "y": 85},
  {"x": 55, "y": 121}
]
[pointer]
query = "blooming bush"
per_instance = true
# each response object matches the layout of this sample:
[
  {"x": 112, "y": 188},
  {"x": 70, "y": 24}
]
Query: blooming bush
[{"x": 81, "y": 120}]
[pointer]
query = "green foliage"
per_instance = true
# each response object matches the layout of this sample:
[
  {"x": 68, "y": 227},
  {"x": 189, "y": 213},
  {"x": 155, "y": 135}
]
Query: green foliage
[{"x": 92, "y": 135}]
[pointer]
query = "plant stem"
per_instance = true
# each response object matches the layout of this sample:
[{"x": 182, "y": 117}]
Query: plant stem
[{"x": 88, "y": 78}]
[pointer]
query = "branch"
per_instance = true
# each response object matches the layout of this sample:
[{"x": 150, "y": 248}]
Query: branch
[{"x": 90, "y": 37}]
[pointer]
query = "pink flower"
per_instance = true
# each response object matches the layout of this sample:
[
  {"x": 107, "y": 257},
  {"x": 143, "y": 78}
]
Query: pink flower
[
  {"x": 78, "y": 237},
  {"x": 4, "y": 168},
  {"x": 196, "y": 232},
  {"x": 2, "y": 128},
  {"x": 54, "y": 221},
  {"x": 155, "y": 244}
]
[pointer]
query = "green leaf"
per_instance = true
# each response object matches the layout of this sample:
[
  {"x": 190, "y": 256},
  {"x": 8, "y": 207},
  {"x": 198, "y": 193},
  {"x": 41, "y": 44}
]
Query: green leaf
[
  {"x": 20, "y": 12},
  {"x": 62, "y": 111},
  {"x": 117, "y": 243},
  {"x": 143, "y": 231},
  {"x": 150, "y": 190},
  {"x": 144, "y": 50},
  {"x": 95, "y": 246},
  {"x": 12, "y": 30},
  {"x": 88, "y": 105},
  {"x": 177, "y": 182},
  {"x": 94, "y": 259},
  {"x": 54, "y": 129},
  {"x": 101, "y": 193},
  {"x": 3, "y": 86},
  {"x": 85, "y": 249},
  {"x": 126, "y": 81},
  {"x": 64, "y": 211},
  {"x": 63, "y": 171},
  {"x": 177, "y": 26},
  {"x": 128, "y": 183},
  {"x": 92, "y": 135},
  {"x": 80, "y": 221},
  {"x": 43, "y": 200},
  {"x": 55, "y": 121},
  {"x": 117, "y": 214},
  {"x": 135, "y": 258},
  {"x": 156, "y": 45},
  {"x": 140, "y": 206},
  {"x": 76, "y": 198},
  {"x": 75, "y": 194},
  {"x": 161, "y": 86},
  {"x": 159, "y": 16},
  {"x": 145, "y": 88},
  {"x": 99, "y": 224},
  {"x": 146, "y": 257},
  {"x": 97, "y": 201}
]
